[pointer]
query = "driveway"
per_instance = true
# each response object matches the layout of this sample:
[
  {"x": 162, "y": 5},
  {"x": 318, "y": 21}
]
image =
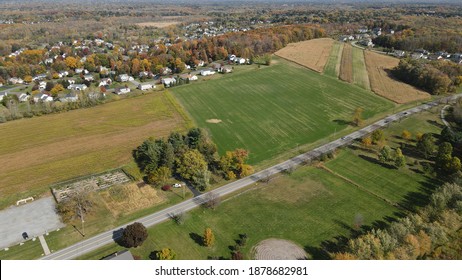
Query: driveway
[{"x": 35, "y": 218}]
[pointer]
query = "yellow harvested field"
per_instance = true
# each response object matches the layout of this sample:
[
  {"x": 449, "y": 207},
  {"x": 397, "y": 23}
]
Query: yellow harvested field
[
  {"x": 383, "y": 84},
  {"x": 130, "y": 198},
  {"x": 312, "y": 54},
  {"x": 158, "y": 24},
  {"x": 346, "y": 66},
  {"x": 37, "y": 152}
]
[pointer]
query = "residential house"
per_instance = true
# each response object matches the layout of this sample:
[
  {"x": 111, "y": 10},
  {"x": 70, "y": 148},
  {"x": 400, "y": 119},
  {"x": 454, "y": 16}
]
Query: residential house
[
  {"x": 188, "y": 77},
  {"x": 15, "y": 81},
  {"x": 78, "y": 87},
  {"x": 42, "y": 85},
  {"x": 168, "y": 81},
  {"x": 105, "y": 82},
  {"x": 88, "y": 77},
  {"x": 42, "y": 97},
  {"x": 207, "y": 72},
  {"x": 363, "y": 30},
  {"x": 49, "y": 61},
  {"x": 3, "y": 95},
  {"x": 377, "y": 31},
  {"x": 145, "y": 86},
  {"x": 71, "y": 81},
  {"x": 225, "y": 69},
  {"x": 165, "y": 71},
  {"x": 70, "y": 97},
  {"x": 63, "y": 74},
  {"x": 122, "y": 90},
  {"x": 201, "y": 63},
  {"x": 22, "y": 97},
  {"x": 366, "y": 43},
  {"x": 144, "y": 74},
  {"x": 417, "y": 55},
  {"x": 96, "y": 95},
  {"x": 399, "y": 53},
  {"x": 123, "y": 78},
  {"x": 78, "y": 70},
  {"x": 39, "y": 77}
]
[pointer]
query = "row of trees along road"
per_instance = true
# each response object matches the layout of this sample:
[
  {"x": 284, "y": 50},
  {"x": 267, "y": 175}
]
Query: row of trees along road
[{"x": 192, "y": 157}]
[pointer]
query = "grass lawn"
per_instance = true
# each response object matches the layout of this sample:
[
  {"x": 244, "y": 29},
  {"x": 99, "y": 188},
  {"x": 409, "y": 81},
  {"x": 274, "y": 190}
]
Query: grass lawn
[
  {"x": 332, "y": 67},
  {"x": 30, "y": 250},
  {"x": 275, "y": 109},
  {"x": 360, "y": 76},
  {"x": 298, "y": 207},
  {"x": 58, "y": 147}
]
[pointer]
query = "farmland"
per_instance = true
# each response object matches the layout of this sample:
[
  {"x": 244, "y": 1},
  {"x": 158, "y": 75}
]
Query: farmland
[
  {"x": 312, "y": 54},
  {"x": 268, "y": 114},
  {"x": 332, "y": 67},
  {"x": 360, "y": 76},
  {"x": 346, "y": 65},
  {"x": 58, "y": 147},
  {"x": 384, "y": 85}
]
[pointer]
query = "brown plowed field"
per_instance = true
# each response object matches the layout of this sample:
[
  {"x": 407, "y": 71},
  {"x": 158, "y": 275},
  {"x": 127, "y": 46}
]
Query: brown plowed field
[
  {"x": 346, "y": 66},
  {"x": 384, "y": 85},
  {"x": 312, "y": 54}
]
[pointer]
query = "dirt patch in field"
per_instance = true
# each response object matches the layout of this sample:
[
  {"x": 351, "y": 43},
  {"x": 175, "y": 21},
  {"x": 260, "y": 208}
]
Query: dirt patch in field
[
  {"x": 131, "y": 197},
  {"x": 278, "y": 249},
  {"x": 383, "y": 84},
  {"x": 213, "y": 121},
  {"x": 346, "y": 65},
  {"x": 312, "y": 54},
  {"x": 158, "y": 24}
]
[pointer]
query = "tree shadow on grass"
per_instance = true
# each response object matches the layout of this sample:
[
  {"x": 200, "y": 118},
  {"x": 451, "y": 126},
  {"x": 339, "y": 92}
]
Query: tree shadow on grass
[
  {"x": 342, "y": 122},
  {"x": 376, "y": 161},
  {"x": 432, "y": 122},
  {"x": 197, "y": 238}
]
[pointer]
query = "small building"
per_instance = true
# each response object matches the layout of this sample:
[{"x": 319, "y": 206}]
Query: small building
[
  {"x": 123, "y": 78},
  {"x": 122, "y": 90},
  {"x": 78, "y": 87},
  {"x": 165, "y": 71},
  {"x": 70, "y": 97},
  {"x": 399, "y": 53},
  {"x": 145, "y": 86},
  {"x": 15, "y": 80},
  {"x": 78, "y": 70},
  {"x": 41, "y": 97},
  {"x": 88, "y": 77},
  {"x": 207, "y": 72},
  {"x": 144, "y": 74},
  {"x": 42, "y": 85},
  {"x": 22, "y": 97},
  {"x": 3, "y": 95},
  {"x": 105, "y": 82},
  {"x": 63, "y": 74},
  {"x": 168, "y": 81},
  {"x": 226, "y": 69},
  {"x": 188, "y": 77}
]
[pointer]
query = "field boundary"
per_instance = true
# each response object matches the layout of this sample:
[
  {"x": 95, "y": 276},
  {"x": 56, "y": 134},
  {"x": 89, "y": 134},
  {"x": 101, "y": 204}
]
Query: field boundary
[
  {"x": 325, "y": 168},
  {"x": 189, "y": 122}
]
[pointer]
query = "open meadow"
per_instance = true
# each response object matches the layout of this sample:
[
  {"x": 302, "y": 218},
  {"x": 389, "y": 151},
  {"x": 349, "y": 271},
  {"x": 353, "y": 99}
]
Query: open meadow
[
  {"x": 312, "y": 53},
  {"x": 360, "y": 76},
  {"x": 383, "y": 84},
  {"x": 269, "y": 113},
  {"x": 37, "y": 152},
  {"x": 346, "y": 64},
  {"x": 332, "y": 67}
]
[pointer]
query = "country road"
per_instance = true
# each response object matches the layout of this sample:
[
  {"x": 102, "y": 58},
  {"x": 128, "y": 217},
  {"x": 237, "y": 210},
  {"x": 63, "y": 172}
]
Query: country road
[{"x": 108, "y": 237}]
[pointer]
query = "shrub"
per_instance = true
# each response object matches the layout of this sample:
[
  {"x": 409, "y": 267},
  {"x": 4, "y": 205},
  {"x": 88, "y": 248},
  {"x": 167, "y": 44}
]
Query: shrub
[{"x": 166, "y": 188}]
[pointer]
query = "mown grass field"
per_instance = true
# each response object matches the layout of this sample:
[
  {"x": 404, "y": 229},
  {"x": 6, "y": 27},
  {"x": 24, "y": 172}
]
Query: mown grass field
[
  {"x": 274, "y": 109},
  {"x": 360, "y": 76},
  {"x": 297, "y": 207},
  {"x": 309, "y": 207},
  {"x": 332, "y": 67},
  {"x": 37, "y": 152}
]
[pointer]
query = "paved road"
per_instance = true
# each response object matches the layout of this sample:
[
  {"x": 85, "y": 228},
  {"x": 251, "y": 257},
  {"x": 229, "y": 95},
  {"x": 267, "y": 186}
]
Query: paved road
[{"x": 108, "y": 237}]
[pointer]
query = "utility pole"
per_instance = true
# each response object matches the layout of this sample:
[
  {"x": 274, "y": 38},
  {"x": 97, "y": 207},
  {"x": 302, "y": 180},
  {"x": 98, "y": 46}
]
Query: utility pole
[{"x": 81, "y": 216}]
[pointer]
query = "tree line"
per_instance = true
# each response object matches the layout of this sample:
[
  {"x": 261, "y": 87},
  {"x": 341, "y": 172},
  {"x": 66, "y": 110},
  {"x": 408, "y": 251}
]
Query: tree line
[
  {"x": 436, "y": 77},
  {"x": 192, "y": 157}
]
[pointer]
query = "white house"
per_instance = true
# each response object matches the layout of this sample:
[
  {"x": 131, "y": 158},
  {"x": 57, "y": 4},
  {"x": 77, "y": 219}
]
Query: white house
[
  {"x": 144, "y": 74},
  {"x": 207, "y": 72},
  {"x": 63, "y": 74},
  {"x": 240, "y": 60},
  {"x": 78, "y": 70},
  {"x": 168, "y": 81},
  {"x": 122, "y": 90},
  {"x": 70, "y": 97},
  {"x": 39, "y": 77},
  {"x": 49, "y": 61},
  {"x": 188, "y": 77},
  {"x": 41, "y": 97},
  {"x": 105, "y": 82},
  {"x": 77, "y": 87},
  {"x": 123, "y": 78},
  {"x": 15, "y": 80},
  {"x": 2, "y": 95},
  {"x": 71, "y": 81},
  {"x": 42, "y": 85},
  {"x": 200, "y": 64},
  {"x": 226, "y": 69},
  {"x": 22, "y": 97},
  {"x": 88, "y": 77},
  {"x": 145, "y": 86}
]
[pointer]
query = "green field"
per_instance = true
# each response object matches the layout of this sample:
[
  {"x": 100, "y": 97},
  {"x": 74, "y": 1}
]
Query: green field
[
  {"x": 297, "y": 207},
  {"x": 360, "y": 76},
  {"x": 332, "y": 67},
  {"x": 275, "y": 109}
]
